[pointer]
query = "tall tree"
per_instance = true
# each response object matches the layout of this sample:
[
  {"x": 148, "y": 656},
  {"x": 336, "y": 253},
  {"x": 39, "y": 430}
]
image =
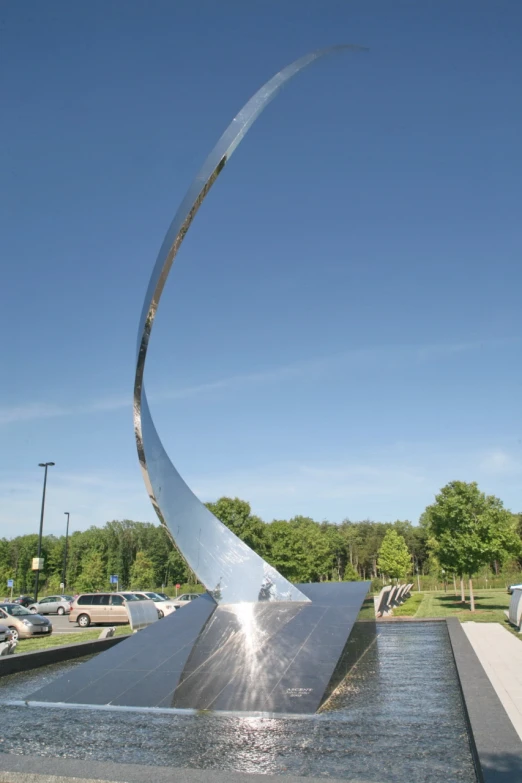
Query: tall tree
[
  {"x": 287, "y": 552},
  {"x": 237, "y": 515},
  {"x": 93, "y": 576},
  {"x": 142, "y": 572},
  {"x": 394, "y": 557},
  {"x": 470, "y": 529}
]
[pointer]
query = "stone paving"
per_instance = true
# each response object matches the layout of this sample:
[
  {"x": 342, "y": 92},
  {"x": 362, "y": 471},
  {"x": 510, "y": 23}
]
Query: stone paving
[{"x": 500, "y": 654}]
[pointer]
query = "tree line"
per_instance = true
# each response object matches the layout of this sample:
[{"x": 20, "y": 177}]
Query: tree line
[
  {"x": 466, "y": 531},
  {"x": 303, "y": 550}
]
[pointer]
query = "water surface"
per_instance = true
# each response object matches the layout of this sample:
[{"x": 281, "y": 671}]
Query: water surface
[{"x": 398, "y": 718}]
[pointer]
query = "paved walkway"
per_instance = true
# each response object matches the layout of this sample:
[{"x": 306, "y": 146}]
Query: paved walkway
[{"x": 500, "y": 654}]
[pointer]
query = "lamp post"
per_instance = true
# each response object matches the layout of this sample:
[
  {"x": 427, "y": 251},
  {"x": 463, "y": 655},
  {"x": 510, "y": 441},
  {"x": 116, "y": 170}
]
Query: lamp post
[
  {"x": 44, "y": 465},
  {"x": 65, "y": 553}
]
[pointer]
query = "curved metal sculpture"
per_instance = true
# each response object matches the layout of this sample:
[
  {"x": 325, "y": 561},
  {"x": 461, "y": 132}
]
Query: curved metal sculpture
[{"x": 227, "y": 567}]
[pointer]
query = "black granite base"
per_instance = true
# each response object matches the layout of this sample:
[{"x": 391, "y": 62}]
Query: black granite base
[{"x": 272, "y": 657}]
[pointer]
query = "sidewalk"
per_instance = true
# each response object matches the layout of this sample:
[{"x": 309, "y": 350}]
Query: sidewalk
[{"x": 500, "y": 654}]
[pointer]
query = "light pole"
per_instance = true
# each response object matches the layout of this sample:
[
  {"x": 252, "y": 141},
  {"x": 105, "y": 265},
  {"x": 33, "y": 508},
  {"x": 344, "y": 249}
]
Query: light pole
[
  {"x": 65, "y": 553},
  {"x": 44, "y": 465}
]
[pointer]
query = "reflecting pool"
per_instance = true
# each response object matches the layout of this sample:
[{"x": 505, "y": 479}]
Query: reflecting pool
[{"x": 397, "y": 718}]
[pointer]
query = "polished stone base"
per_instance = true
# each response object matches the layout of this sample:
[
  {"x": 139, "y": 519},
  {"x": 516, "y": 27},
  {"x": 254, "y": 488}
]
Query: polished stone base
[{"x": 271, "y": 657}]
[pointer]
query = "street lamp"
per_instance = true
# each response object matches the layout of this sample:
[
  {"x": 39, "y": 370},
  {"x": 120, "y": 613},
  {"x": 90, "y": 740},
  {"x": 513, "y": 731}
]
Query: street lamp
[
  {"x": 44, "y": 465},
  {"x": 65, "y": 553}
]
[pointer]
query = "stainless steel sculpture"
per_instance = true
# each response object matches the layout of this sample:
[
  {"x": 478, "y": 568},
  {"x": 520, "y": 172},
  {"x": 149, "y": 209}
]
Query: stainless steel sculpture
[
  {"x": 227, "y": 567},
  {"x": 269, "y": 646}
]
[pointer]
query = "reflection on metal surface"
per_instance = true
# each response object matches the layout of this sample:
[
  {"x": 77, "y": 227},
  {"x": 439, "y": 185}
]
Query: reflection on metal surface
[
  {"x": 227, "y": 567},
  {"x": 141, "y": 614},
  {"x": 261, "y": 657},
  {"x": 241, "y": 656}
]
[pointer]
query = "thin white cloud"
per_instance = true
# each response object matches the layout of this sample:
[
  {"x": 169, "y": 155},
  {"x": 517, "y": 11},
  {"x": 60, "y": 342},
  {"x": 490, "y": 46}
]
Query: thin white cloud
[
  {"x": 393, "y": 482},
  {"x": 37, "y": 411},
  {"x": 397, "y": 481},
  {"x": 298, "y": 487},
  {"x": 362, "y": 358},
  {"x": 91, "y": 499},
  {"x": 31, "y": 411},
  {"x": 499, "y": 462}
]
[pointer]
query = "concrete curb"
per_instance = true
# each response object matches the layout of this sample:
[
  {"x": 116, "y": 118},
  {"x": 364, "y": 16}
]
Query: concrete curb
[
  {"x": 495, "y": 745},
  {"x": 21, "y": 662},
  {"x": 406, "y": 619},
  {"x": 30, "y": 769}
]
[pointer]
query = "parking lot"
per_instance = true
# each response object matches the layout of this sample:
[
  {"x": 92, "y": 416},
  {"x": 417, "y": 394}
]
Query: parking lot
[{"x": 62, "y": 625}]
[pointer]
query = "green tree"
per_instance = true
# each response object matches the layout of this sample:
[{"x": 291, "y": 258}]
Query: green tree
[
  {"x": 469, "y": 530},
  {"x": 317, "y": 554},
  {"x": 337, "y": 552},
  {"x": 177, "y": 571},
  {"x": 350, "y": 574},
  {"x": 394, "y": 558},
  {"x": 301, "y": 549},
  {"x": 237, "y": 515},
  {"x": 142, "y": 572},
  {"x": 363, "y": 540},
  {"x": 286, "y": 551},
  {"x": 93, "y": 575}
]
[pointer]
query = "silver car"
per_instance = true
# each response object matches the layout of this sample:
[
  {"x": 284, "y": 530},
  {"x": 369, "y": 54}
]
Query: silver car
[
  {"x": 163, "y": 607},
  {"x": 184, "y": 600},
  {"x": 53, "y": 604},
  {"x": 22, "y": 623},
  {"x": 5, "y": 634}
]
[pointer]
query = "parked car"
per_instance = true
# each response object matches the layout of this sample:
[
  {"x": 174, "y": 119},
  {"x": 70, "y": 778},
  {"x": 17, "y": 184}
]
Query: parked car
[
  {"x": 6, "y": 634},
  {"x": 22, "y": 623},
  {"x": 513, "y": 587},
  {"x": 100, "y": 608},
  {"x": 184, "y": 600},
  {"x": 23, "y": 600},
  {"x": 163, "y": 607},
  {"x": 53, "y": 604},
  {"x": 164, "y": 596},
  {"x": 131, "y": 596}
]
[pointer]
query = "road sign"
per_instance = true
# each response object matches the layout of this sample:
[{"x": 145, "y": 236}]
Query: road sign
[
  {"x": 177, "y": 587},
  {"x": 10, "y": 582},
  {"x": 62, "y": 585},
  {"x": 38, "y": 564},
  {"x": 114, "y": 579}
]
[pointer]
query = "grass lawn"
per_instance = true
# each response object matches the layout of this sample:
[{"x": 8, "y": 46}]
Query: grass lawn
[
  {"x": 56, "y": 640},
  {"x": 410, "y": 606},
  {"x": 489, "y": 607}
]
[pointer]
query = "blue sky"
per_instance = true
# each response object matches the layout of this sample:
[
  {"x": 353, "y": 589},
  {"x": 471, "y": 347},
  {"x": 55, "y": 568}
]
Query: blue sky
[{"x": 341, "y": 333}]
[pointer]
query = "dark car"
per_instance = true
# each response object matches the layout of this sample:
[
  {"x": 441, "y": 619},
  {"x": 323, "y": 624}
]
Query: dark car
[{"x": 24, "y": 600}]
